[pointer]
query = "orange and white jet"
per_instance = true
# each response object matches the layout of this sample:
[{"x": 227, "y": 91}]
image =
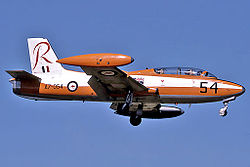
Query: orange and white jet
[{"x": 138, "y": 94}]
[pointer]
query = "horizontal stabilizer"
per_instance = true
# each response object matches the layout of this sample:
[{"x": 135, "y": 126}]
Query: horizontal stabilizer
[{"x": 21, "y": 74}]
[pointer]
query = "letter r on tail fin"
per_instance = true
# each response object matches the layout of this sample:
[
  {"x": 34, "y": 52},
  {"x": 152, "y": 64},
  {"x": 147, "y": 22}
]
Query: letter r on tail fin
[{"x": 42, "y": 57}]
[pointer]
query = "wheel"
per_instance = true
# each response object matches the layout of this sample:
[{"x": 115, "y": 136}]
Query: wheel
[
  {"x": 122, "y": 109},
  {"x": 119, "y": 107},
  {"x": 223, "y": 112},
  {"x": 135, "y": 120}
]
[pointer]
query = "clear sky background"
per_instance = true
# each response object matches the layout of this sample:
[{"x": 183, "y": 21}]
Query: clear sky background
[{"x": 209, "y": 34}]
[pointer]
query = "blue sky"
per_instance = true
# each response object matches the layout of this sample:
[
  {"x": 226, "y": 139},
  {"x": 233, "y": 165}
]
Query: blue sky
[{"x": 213, "y": 35}]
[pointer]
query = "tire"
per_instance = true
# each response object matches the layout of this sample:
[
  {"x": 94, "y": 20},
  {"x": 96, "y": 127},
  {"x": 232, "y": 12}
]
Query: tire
[{"x": 135, "y": 120}]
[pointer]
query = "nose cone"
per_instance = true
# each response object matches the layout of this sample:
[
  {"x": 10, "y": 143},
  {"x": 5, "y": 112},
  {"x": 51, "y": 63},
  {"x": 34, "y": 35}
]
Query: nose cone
[
  {"x": 242, "y": 91},
  {"x": 231, "y": 89}
]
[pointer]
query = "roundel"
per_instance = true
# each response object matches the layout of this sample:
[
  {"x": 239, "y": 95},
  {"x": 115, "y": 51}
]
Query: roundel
[
  {"x": 108, "y": 72},
  {"x": 72, "y": 86}
]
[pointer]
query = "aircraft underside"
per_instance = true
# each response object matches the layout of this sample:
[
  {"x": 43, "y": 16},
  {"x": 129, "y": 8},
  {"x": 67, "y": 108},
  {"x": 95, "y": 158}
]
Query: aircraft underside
[
  {"x": 170, "y": 99},
  {"x": 141, "y": 107}
]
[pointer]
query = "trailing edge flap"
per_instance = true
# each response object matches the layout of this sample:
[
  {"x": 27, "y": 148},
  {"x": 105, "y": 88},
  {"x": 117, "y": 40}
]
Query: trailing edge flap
[
  {"x": 113, "y": 79},
  {"x": 21, "y": 74}
]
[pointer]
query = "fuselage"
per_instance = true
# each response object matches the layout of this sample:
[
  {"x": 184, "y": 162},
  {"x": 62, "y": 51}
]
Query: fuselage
[{"x": 171, "y": 88}]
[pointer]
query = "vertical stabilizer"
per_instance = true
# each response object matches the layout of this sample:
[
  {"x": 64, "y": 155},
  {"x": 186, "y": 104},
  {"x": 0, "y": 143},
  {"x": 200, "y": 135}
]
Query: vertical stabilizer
[{"x": 42, "y": 57}]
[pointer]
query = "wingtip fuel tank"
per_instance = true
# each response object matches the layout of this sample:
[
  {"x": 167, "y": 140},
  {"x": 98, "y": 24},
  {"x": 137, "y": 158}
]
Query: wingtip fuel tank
[{"x": 98, "y": 60}]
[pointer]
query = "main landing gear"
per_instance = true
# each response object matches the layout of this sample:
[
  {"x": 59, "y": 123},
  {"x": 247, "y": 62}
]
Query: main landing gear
[
  {"x": 128, "y": 102},
  {"x": 135, "y": 117},
  {"x": 135, "y": 120},
  {"x": 223, "y": 111}
]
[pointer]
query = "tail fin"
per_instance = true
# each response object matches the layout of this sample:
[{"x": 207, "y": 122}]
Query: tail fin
[{"x": 42, "y": 57}]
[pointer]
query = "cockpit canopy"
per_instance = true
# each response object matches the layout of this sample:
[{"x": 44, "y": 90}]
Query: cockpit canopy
[{"x": 184, "y": 71}]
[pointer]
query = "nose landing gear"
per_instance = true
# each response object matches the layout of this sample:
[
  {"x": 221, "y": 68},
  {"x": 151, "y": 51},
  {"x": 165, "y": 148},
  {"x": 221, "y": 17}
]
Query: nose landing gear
[{"x": 223, "y": 111}]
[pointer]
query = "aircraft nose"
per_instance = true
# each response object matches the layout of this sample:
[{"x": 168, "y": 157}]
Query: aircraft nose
[
  {"x": 234, "y": 89},
  {"x": 243, "y": 90}
]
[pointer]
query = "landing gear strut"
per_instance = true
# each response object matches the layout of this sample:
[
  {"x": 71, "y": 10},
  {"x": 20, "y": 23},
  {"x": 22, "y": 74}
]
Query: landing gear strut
[
  {"x": 135, "y": 118},
  {"x": 128, "y": 102},
  {"x": 223, "y": 111}
]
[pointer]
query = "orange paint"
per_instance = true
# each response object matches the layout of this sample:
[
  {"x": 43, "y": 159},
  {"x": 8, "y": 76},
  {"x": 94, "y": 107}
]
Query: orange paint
[
  {"x": 88, "y": 91},
  {"x": 58, "y": 90},
  {"x": 98, "y": 60},
  {"x": 195, "y": 91},
  {"x": 151, "y": 72}
]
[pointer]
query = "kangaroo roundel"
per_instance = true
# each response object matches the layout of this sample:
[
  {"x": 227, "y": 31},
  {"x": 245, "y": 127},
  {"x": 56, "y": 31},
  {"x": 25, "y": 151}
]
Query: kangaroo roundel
[{"x": 72, "y": 86}]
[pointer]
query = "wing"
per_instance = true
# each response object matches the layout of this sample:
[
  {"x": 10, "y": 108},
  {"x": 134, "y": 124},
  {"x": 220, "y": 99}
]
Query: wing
[{"x": 111, "y": 81}]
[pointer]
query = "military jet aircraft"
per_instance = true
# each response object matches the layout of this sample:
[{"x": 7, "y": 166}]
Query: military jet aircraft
[{"x": 137, "y": 94}]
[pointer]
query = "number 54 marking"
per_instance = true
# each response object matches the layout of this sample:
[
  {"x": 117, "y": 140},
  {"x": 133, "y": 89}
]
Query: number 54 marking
[{"x": 204, "y": 87}]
